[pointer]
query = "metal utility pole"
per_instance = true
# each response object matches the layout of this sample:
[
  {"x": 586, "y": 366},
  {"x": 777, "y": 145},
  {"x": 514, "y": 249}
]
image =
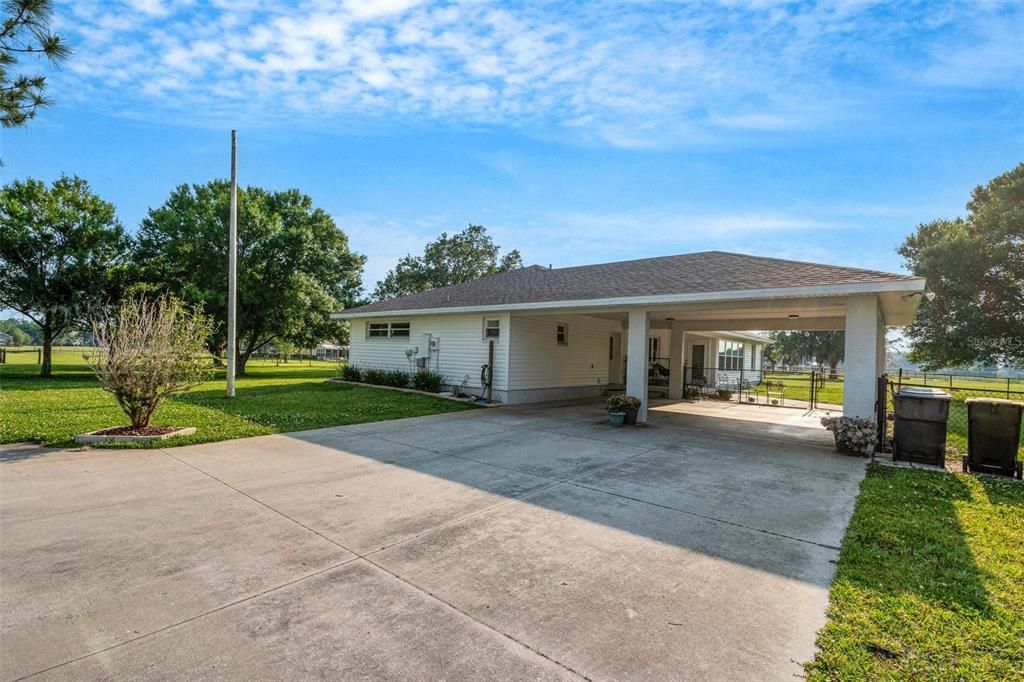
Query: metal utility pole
[{"x": 232, "y": 269}]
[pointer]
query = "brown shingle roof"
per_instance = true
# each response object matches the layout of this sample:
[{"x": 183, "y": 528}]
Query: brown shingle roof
[{"x": 688, "y": 273}]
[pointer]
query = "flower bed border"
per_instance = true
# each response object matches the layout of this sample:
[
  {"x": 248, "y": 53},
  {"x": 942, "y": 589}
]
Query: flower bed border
[
  {"x": 94, "y": 437},
  {"x": 468, "y": 401}
]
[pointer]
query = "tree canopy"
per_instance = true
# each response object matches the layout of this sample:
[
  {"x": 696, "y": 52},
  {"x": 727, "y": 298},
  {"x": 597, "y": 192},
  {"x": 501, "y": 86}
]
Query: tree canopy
[
  {"x": 975, "y": 269},
  {"x": 61, "y": 252},
  {"x": 454, "y": 259},
  {"x": 797, "y": 347},
  {"x": 25, "y": 32},
  {"x": 294, "y": 264}
]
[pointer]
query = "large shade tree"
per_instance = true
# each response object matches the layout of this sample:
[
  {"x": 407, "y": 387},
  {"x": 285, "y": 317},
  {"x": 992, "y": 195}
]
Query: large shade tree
[
  {"x": 62, "y": 252},
  {"x": 975, "y": 271},
  {"x": 25, "y": 34},
  {"x": 453, "y": 259},
  {"x": 295, "y": 266}
]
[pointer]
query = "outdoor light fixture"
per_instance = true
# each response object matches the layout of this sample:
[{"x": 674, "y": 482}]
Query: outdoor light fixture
[{"x": 930, "y": 295}]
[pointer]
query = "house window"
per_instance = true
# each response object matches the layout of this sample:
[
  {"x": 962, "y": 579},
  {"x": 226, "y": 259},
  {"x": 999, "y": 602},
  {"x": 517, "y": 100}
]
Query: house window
[
  {"x": 653, "y": 348},
  {"x": 562, "y": 334},
  {"x": 730, "y": 355},
  {"x": 492, "y": 328},
  {"x": 387, "y": 330}
]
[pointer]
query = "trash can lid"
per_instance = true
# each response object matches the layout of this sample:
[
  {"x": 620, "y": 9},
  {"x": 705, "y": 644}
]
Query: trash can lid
[
  {"x": 995, "y": 401},
  {"x": 924, "y": 392}
]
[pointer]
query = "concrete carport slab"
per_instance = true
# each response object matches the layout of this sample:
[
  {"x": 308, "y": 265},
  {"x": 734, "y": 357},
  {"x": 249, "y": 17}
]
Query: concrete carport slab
[{"x": 511, "y": 543}]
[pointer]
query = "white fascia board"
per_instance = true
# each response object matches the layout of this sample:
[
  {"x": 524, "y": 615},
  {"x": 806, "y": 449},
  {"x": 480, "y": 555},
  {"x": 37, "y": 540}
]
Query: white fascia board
[{"x": 624, "y": 303}]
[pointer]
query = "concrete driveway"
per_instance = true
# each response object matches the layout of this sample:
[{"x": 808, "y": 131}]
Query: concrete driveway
[{"x": 492, "y": 544}]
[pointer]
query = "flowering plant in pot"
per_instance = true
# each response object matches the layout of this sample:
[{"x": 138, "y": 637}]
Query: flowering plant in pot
[
  {"x": 626, "y": 405},
  {"x": 853, "y": 436}
]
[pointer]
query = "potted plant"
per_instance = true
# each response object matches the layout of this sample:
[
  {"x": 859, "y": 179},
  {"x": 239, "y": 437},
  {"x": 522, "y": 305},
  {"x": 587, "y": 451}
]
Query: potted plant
[
  {"x": 626, "y": 405},
  {"x": 856, "y": 437}
]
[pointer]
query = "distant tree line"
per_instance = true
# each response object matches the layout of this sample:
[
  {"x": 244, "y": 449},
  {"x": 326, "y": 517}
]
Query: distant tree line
[{"x": 65, "y": 259}]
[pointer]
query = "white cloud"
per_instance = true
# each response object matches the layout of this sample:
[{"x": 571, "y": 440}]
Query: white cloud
[{"x": 635, "y": 75}]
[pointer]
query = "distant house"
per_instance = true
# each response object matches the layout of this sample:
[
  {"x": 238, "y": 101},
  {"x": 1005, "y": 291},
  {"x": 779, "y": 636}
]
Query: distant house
[
  {"x": 6, "y": 339},
  {"x": 549, "y": 334},
  {"x": 330, "y": 351}
]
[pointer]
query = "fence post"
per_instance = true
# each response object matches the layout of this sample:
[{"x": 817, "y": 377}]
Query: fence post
[
  {"x": 39, "y": 356},
  {"x": 1007, "y": 388},
  {"x": 881, "y": 412},
  {"x": 814, "y": 387},
  {"x": 739, "y": 393}
]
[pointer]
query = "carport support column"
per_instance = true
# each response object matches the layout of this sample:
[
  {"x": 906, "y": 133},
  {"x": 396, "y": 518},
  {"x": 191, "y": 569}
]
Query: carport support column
[
  {"x": 636, "y": 360},
  {"x": 864, "y": 360},
  {"x": 675, "y": 361}
]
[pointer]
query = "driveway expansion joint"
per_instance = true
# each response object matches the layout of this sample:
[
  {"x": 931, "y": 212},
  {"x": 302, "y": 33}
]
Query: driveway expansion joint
[{"x": 357, "y": 557}]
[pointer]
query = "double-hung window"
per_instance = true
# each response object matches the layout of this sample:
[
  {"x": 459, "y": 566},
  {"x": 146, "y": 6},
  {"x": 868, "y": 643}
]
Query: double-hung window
[
  {"x": 653, "y": 348},
  {"x": 730, "y": 355},
  {"x": 387, "y": 330},
  {"x": 492, "y": 328},
  {"x": 562, "y": 334}
]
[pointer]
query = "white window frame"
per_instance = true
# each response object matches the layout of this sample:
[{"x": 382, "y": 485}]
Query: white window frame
[
  {"x": 730, "y": 355},
  {"x": 561, "y": 329},
  {"x": 389, "y": 329},
  {"x": 488, "y": 327},
  {"x": 653, "y": 348}
]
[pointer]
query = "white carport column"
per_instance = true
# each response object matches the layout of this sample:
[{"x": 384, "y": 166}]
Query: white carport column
[
  {"x": 636, "y": 360},
  {"x": 675, "y": 361},
  {"x": 864, "y": 360}
]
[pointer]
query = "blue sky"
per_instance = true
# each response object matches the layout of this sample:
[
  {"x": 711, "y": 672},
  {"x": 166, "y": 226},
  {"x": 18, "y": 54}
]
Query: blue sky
[{"x": 576, "y": 132}]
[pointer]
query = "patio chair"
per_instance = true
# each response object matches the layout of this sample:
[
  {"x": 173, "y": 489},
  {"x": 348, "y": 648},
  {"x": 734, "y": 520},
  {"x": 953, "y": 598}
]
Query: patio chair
[{"x": 657, "y": 375}]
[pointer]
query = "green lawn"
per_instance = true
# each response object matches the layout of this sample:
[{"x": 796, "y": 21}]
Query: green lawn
[
  {"x": 930, "y": 581},
  {"x": 270, "y": 399}
]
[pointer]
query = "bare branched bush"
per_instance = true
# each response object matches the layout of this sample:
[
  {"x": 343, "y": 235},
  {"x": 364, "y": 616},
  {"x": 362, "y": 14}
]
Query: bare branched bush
[{"x": 147, "y": 350}]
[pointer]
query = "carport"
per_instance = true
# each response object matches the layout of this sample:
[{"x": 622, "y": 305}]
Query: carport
[{"x": 862, "y": 311}]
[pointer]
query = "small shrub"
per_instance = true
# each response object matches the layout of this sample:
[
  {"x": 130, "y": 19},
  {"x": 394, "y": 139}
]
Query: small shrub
[
  {"x": 396, "y": 378},
  {"x": 147, "y": 350},
  {"x": 427, "y": 380},
  {"x": 724, "y": 394},
  {"x": 351, "y": 373},
  {"x": 374, "y": 376},
  {"x": 622, "y": 403}
]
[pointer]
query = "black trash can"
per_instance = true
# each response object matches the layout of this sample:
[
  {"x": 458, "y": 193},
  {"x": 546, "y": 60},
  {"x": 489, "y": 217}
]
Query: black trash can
[
  {"x": 919, "y": 429},
  {"x": 993, "y": 436}
]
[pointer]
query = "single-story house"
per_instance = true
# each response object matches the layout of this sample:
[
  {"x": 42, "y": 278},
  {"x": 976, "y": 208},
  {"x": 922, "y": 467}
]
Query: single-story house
[
  {"x": 6, "y": 339},
  {"x": 544, "y": 333}
]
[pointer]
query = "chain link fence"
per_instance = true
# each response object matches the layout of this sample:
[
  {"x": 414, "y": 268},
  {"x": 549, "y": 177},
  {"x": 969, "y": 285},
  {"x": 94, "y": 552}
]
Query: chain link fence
[{"x": 960, "y": 387}]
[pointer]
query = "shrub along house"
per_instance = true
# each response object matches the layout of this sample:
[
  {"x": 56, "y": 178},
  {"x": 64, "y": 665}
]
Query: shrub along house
[{"x": 546, "y": 334}]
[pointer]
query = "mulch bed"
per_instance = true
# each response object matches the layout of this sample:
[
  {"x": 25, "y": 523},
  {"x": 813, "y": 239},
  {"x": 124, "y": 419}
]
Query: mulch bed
[{"x": 129, "y": 431}]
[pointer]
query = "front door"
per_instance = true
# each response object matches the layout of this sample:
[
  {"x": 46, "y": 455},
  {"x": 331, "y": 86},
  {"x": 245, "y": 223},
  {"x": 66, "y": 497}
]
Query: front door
[
  {"x": 696, "y": 361},
  {"x": 615, "y": 359}
]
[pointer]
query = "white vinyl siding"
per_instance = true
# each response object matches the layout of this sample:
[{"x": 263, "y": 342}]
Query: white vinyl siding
[
  {"x": 461, "y": 350},
  {"x": 536, "y": 360}
]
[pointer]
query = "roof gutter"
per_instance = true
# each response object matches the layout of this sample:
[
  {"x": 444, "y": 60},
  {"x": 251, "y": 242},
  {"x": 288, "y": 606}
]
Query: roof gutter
[{"x": 851, "y": 289}]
